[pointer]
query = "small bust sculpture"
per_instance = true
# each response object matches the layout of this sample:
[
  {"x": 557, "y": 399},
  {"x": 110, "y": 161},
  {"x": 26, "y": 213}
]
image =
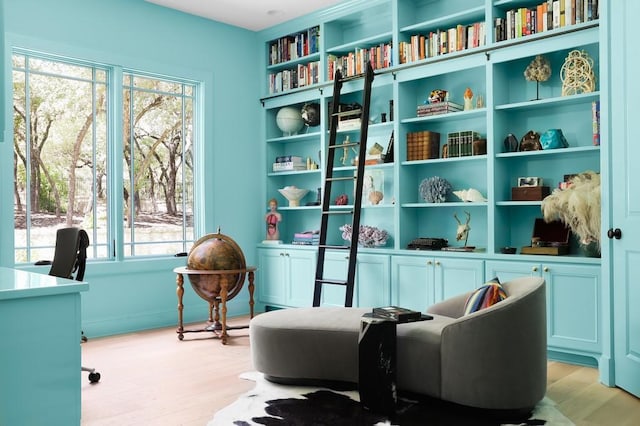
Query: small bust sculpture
[{"x": 272, "y": 220}]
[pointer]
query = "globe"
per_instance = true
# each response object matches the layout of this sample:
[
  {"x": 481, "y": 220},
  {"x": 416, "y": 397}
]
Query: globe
[
  {"x": 216, "y": 252},
  {"x": 289, "y": 120}
]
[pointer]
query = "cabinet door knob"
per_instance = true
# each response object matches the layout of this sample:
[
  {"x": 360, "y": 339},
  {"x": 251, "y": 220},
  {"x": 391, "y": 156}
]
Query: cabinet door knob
[
  {"x": 614, "y": 233},
  {"x": 429, "y": 262},
  {"x": 438, "y": 263},
  {"x": 534, "y": 269},
  {"x": 546, "y": 269},
  {"x": 281, "y": 254}
]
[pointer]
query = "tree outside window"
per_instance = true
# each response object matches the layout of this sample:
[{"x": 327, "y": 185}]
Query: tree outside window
[{"x": 64, "y": 157}]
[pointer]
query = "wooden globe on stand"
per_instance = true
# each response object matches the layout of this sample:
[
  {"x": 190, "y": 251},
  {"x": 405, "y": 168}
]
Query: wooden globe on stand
[{"x": 216, "y": 252}]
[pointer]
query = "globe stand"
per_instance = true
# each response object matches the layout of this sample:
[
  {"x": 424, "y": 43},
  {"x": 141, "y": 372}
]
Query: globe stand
[{"x": 217, "y": 305}]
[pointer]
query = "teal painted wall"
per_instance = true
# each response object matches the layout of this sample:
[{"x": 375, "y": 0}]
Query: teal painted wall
[{"x": 139, "y": 294}]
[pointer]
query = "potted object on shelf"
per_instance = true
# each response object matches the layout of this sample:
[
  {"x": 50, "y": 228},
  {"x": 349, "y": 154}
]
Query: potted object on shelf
[{"x": 579, "y": 207}]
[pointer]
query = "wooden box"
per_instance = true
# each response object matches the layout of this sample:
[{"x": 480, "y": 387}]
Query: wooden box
[
  {"x": 423, "y": 145},
  {"x": 552, "y": 237},
  {"x": 529, "y": 193}
]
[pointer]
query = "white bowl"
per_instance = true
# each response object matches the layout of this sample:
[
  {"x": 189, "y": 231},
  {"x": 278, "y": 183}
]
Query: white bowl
[{"x": 293, "y": 194}]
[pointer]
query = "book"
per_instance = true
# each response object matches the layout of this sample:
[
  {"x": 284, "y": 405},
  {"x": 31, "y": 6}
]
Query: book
[
  {"x": 288, "y": 166},
  {"x": 396, "y": 313},
  {"x": 289, "y": 158}
]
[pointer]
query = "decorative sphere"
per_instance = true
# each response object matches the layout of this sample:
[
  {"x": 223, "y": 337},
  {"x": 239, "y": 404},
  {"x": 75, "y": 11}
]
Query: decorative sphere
[
  {"x": 289, "y": 120},
  {"x": 216, "y": 252}
]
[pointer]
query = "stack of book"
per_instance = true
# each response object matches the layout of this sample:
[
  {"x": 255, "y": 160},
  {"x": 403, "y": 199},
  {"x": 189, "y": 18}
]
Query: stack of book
[
  {"x": 306, "y": 238},
  {"x": 438, "y": 108},
  {"x": 285, "y": 163},
  {"x": 395, "y": 313}
]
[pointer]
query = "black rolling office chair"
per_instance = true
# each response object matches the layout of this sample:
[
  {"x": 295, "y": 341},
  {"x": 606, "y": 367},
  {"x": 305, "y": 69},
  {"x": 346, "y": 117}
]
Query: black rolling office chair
[{"x": 69, "y": 258}]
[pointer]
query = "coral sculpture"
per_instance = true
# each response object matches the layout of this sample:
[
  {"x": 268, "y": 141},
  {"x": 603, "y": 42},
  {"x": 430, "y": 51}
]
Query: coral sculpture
[
  {"x": 435, "y": 189},
  {"x": 577, "y": 206},
  {"x": 369, "y": 236}
]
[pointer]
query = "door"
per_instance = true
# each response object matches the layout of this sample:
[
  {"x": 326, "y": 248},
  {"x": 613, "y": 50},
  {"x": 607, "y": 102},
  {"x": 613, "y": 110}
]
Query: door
[{"x": 625, "y": 198}]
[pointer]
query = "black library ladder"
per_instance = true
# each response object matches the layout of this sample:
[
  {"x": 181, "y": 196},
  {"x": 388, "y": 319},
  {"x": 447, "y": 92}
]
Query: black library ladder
[{"x": 354, "y": 212}]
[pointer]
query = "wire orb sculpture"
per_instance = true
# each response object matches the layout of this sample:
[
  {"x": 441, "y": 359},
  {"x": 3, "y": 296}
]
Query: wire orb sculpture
[{"x": 577, "y": 74}]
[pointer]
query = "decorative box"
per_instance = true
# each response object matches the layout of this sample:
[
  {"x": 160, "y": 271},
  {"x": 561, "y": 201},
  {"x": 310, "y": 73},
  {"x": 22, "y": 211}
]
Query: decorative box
[
  {"x": 423, "y": 145},
  {"x": 548, "y": 238},
  {"x": 529, "y": 193}
]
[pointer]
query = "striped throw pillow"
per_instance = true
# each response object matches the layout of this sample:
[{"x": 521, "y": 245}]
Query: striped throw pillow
[{"x": 487, "y": 295}]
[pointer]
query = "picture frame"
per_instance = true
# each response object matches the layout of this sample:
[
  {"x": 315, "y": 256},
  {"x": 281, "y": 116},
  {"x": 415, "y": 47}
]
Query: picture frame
[{"x": 530, "y": 181}]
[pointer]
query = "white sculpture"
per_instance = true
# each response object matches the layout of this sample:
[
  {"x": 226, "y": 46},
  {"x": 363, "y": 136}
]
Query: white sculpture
[
  {"x": 469, "y": 195},
  {"x": 462, "y": 233}
]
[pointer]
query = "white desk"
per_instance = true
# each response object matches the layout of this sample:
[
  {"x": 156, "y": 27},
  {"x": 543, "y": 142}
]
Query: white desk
[{"x": 40, "y": 375}]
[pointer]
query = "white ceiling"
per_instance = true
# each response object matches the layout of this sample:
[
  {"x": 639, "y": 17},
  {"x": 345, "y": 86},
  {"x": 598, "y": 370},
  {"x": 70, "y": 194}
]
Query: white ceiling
[{"x": 254, "y": 15}]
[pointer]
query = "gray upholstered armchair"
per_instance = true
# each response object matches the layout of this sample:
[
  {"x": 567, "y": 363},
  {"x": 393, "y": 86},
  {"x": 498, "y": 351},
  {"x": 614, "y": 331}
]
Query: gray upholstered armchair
[{"x": 494, "y": 358}]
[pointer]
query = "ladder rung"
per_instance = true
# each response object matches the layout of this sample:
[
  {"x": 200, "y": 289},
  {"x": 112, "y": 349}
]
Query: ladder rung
[
  {"x": 333, "y": 247},
  {"x": 344, "y": 145},
  {"x": 323, "y": 281},
  {"x": 353, "y": 77},
  {"x": 353, "y": 112},
  {"x": 329, "y": 212},
  {"x": 340, "y": 178}
]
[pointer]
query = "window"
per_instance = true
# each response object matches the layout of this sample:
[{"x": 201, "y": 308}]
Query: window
[
  {"x": 66, "y": 159},
  {"x": 158, "y": 163}
]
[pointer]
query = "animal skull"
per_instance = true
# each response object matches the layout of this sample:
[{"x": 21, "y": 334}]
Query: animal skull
[{"x": 462, "y": 233}]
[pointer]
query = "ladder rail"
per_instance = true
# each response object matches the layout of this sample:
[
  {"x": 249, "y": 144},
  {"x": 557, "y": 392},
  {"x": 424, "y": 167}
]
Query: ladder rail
[{"x": 358, "y": 186}]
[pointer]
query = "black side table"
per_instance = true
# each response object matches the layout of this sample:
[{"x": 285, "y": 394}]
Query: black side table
[{"x": 377, "y": 364}]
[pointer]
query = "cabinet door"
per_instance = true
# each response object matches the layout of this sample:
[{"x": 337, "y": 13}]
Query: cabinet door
[
  {"x": 372, "y": 280},
  {"x": 573, "y": 311},
  {"x": 412, "y": 282},
  {"x": 335, "y": 268},
  {"x": 271, "y": 276},
  {"x": 506, "y": 271},
  {"x": 456, "y": 276},
  {"x": 301, "y": 271}
]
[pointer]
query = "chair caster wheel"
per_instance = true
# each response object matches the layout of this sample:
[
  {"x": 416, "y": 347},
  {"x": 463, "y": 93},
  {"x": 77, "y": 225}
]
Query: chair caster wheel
[{"x": 94, "y": 377}]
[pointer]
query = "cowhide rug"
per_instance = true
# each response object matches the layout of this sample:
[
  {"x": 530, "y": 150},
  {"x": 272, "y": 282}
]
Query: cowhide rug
[{"x": 272, "y": 404}]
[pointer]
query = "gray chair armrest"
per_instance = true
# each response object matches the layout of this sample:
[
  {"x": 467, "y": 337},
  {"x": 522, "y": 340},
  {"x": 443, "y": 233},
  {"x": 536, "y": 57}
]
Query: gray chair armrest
[{"x": 452, "y": 307}]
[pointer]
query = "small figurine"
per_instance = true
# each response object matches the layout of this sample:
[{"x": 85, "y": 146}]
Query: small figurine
[
  {"x": 462, "y": 233},
  {"x": 272, "y": 219},
  {"x": 468, "y": 99}
]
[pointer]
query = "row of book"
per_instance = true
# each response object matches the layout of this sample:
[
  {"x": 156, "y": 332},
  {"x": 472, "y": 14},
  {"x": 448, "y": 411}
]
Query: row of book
[
  {"x": 354, "y": 63},
  {"x": 306, "y": 238},
  {"x": 437, "y": 108},
  {"x": 286, "y": 163},
  {"x": 547, "y": 15},
  {"x": 294, "y": 46},
  {"x": 423, "y": 145},
  {"x": 439, "y": 42},
  {"x": 595, "y": 117},
  {"x": 460, "y": 144},
  {"x": 300, "y": 76}
]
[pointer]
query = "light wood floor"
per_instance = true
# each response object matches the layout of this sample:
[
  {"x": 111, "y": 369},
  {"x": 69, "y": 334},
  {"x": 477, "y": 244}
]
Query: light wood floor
[{"x": 152, "y": 378}]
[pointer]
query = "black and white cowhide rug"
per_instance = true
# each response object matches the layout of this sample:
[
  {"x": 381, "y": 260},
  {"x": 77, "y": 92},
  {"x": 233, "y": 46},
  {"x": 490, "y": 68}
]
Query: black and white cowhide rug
[{"x": 273, "y": 404}]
